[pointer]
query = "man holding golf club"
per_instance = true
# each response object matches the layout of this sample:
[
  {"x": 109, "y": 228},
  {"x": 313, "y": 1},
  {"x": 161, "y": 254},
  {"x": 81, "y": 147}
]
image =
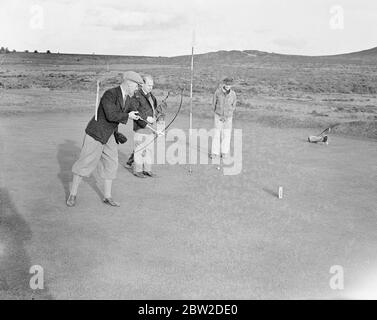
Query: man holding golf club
[{"x": 99, "y": 145}]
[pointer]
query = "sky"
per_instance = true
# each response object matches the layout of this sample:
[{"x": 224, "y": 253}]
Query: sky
[{"x": 165, "y": 27}]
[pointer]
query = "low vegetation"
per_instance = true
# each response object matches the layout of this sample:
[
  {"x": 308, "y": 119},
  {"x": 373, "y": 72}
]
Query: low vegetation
[{"x": 273, "y": 89}]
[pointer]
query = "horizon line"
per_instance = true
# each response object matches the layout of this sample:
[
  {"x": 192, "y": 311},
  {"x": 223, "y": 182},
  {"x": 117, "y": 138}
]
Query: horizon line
[{"x": 182, "y": 55}]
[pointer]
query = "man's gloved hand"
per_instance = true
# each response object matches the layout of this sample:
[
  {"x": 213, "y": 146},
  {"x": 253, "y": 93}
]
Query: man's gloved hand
[
  {"x": 120, "y": 138},
  {"x": 151, "y": 120},
  {"x": 134, "y": 115}
]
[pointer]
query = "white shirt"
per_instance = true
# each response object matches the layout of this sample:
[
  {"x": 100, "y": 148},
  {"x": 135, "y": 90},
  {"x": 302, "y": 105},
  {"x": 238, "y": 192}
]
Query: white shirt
[{"x": 123, "y": 95}]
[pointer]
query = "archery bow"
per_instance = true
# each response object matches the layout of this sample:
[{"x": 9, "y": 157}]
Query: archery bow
[
  {"x": 176, "y": 114},
  {"x": 170, "y": 123}
]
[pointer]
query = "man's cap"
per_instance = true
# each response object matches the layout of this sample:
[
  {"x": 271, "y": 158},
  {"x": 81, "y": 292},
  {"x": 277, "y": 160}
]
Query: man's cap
[
  {"x": 133, "y": 76},
  {"x": 228, "y": 81}
]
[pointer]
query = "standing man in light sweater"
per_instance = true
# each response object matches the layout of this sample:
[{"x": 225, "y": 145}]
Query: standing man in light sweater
[{"x": 224, "y": 104}]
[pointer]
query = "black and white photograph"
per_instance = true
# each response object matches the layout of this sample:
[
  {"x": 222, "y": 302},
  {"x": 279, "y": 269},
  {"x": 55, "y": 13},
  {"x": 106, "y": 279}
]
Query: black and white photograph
[{"x": 188, "y": 150}]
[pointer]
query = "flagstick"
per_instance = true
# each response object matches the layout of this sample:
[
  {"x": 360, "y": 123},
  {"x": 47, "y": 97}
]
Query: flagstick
[
  {"x": 97, "y": 101},
  {"x": 192, "y": 79}
]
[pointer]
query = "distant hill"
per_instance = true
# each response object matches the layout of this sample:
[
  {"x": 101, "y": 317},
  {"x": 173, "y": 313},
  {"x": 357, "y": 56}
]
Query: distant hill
[
  {"x": 365, "y": 53},
  {"x": 211, "y": 58},
  {"x": 238, "y": 56},
  {"x": 222, "y": 56}
]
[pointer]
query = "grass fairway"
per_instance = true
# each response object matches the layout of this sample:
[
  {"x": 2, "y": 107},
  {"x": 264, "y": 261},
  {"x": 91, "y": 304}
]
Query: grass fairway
[
  {"x": 196, "y": 236},
  {"x": 204, "y": 235}
]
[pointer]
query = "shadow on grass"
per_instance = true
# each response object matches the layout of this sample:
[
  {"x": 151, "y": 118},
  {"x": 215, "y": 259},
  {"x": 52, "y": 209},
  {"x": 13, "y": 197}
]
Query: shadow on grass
[
  {"x": 14, "y": 260},
  {"x": 271, "y": 192}
]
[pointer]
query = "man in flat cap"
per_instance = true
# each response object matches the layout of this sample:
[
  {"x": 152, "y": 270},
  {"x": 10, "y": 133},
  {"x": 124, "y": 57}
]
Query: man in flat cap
[
  {"x": 224, "y": 104},
  {"x": 99, "y": 145}
]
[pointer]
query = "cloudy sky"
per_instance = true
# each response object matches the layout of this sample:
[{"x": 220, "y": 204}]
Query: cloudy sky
[{"x": 165, "y": 27}]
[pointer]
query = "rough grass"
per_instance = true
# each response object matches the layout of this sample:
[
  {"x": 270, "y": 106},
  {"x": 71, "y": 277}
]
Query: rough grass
[{"x": 275, "y": 91}]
